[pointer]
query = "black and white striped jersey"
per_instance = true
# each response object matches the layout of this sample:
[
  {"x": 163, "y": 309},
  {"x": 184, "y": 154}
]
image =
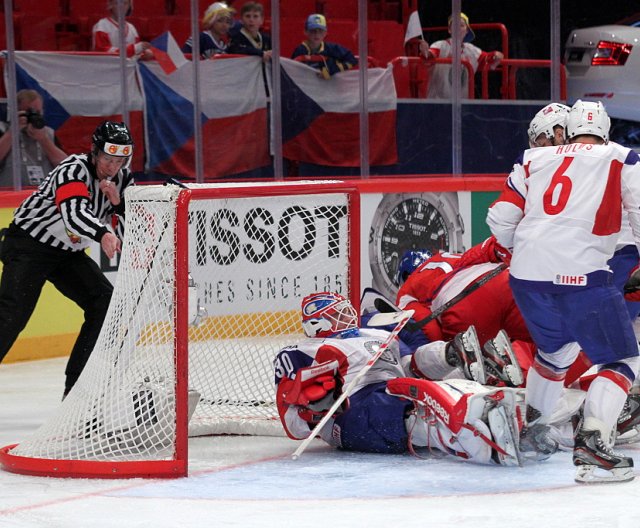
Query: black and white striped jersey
[{"x": 68, "y": 210}]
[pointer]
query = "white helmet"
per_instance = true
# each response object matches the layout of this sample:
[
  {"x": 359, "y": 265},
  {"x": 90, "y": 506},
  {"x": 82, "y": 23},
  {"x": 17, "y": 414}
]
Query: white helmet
[
  {"x": 554, "y": 114},
  {"x": 588, "y": 117}
]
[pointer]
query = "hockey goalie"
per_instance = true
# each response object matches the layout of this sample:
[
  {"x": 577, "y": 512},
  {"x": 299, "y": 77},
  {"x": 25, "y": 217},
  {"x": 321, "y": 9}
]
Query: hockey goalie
[{"x": 389, "y": 411}]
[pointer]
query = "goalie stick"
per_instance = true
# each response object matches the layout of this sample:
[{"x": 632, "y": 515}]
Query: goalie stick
[
  {"x": 384, "y": 305},
  {"x": 401, "y": 319}
]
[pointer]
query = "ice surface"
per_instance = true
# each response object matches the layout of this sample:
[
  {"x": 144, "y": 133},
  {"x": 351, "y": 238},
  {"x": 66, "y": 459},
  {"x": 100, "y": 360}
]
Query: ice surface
[{"x": 251, "y": 481}]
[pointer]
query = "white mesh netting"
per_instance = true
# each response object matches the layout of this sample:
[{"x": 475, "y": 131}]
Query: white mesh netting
[{"x": 252, "y": 260}]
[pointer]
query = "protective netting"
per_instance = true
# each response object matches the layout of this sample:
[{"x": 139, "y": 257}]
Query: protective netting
[{"x": 251, "y": 259}]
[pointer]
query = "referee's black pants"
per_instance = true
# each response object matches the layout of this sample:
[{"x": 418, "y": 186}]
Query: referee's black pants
[{"x": 28, "y": 264}]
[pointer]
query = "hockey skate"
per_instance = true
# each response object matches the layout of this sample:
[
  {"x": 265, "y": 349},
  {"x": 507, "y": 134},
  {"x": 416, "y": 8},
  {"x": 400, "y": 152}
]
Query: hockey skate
[
  {"x": 500, "y": 362},
  {"x": 628, "y": 427},
  {"x": 464, "y": 352},
  {"x": 596, "y": 462}
]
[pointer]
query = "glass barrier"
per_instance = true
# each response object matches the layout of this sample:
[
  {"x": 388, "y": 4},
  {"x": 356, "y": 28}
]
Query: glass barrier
[{"x": 243, "y": 113}]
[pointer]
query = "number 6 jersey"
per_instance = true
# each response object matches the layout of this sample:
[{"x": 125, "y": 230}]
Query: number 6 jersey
[{"x": 561, "y": 212}]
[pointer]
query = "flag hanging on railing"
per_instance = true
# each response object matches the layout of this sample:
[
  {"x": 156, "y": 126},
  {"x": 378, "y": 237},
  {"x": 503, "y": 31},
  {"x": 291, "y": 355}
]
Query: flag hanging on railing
[
  {"x": 234, "y": 117},
  {"x": 321, "y": 117},
  {"x": 79, "y": 92}
]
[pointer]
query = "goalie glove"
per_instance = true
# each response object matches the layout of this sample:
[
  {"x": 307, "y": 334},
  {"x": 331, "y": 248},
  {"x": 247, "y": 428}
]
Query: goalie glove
[
  {"x": 632, "y": 286},
  {"x": 311, "y": 393}
]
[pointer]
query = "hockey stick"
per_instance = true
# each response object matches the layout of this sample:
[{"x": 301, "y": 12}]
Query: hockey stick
[
  {"x": 385, "y": 305},
  {"x": 401, "y": 319}
]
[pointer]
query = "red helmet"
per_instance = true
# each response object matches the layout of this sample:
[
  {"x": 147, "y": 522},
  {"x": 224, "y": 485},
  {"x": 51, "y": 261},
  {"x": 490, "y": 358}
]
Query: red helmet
[{"x": 328, "y": 314}]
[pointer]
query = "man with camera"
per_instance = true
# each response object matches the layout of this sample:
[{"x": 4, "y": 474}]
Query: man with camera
[{"x": 39, "y": 153}]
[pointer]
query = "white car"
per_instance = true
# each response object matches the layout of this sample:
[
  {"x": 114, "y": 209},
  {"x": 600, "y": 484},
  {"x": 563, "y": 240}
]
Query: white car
[{"x": 603, "y": 64}]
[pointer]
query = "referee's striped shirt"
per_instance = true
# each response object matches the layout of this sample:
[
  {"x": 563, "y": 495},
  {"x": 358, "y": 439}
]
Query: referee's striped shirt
[{"x": 68, "y": 210}]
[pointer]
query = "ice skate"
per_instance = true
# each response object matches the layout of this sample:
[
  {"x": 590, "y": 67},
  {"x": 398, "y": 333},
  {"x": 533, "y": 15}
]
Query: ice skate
[
  {"x": 596, "y": 462},
  {"x": 464, "y": 352},
  {"x": 628, "y": 427},
  {"x": 500, "y": 362}
]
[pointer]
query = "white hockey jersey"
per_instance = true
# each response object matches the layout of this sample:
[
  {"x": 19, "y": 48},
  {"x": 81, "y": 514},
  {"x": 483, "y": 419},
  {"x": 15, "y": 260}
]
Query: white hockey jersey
[
  {"x": 562, "y": 211},
  {"x": 352, "y": 355}
]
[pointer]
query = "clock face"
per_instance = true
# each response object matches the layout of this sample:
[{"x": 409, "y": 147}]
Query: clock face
[{"x": 411, "y": 222}]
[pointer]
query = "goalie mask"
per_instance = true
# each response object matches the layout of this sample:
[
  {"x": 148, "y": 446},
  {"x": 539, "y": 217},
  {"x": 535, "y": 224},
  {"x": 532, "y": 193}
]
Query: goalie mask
[
  {"x": 409, "y": 263},
  {"x": 544, "y": 122},
  {"x": 328, "y": 314},
  {"x": 112, "y": 138}
]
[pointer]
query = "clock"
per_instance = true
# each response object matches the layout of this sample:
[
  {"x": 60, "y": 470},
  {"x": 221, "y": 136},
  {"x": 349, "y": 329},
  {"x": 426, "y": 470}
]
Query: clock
[{"x": 404, "y": 222}]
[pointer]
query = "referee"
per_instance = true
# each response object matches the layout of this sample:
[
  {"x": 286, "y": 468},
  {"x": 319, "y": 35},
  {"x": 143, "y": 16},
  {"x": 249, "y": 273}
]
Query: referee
[{"x": 81, "y": 200}]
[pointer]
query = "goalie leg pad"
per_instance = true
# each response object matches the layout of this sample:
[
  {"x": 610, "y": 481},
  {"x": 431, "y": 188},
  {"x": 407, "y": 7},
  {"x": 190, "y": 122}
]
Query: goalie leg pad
[
  {"x": 455, "y": 412},
  {"x": 504, "y": 430}
]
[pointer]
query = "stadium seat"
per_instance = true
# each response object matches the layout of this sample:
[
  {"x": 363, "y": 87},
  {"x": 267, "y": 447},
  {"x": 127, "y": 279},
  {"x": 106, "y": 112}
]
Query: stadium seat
[
  {"x": 411, "y": 76},
  {"x": 82, "y": 8},
  {"x": 297, "y": 8},
  {"x": 17, "y": 30},
  {"x": 148, "y": 8},
  {"x": 334, "y": 9},
  {"x": 41, "y": 35},
  {"x": 141, "y": 23},
  {"x": 180, "y": 27},
  {"x": 386, "y": 38},
  {"x": 50, "y": 8}
]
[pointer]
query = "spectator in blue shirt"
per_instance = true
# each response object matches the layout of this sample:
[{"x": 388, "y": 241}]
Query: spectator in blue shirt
[
  {"x": 327, "y": 57},
  {"x": 216, "y": 22}
]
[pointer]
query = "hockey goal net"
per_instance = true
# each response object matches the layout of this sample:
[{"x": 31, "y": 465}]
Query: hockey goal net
[{"x": 207, "y": 292}]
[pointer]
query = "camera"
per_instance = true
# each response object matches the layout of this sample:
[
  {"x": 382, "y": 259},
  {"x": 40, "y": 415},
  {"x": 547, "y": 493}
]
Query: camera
[{"x": 34, "y": 118}]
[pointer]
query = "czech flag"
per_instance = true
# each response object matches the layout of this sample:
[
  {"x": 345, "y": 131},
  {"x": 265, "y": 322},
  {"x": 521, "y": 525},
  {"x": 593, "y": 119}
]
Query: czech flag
[
  {"x": 79, "y": 92},
  {"x": 233, "y": 117},
  {"x": 167, "y": 52},
  {"x": 321, "y": 117}
]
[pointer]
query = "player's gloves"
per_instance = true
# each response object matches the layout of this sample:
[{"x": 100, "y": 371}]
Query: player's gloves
[
  {"x": 632, "y": 286},
  {"x": 488, "y": 251},
  {"x": 313, "y": 390},
  {"x": 502, "y": 253}
]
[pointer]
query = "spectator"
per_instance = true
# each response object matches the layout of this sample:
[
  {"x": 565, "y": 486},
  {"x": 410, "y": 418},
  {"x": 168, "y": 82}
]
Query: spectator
[
  {"x": 216, "y": 22},
  {"x": 440, "y": 83},
  {"x": 327, "y": 57},
  {"x": 39, "y": 151},
  {"x": 106, "y": 33},
  {"x": 247, "y": 39},
  {"x": 79, "y": 202}
]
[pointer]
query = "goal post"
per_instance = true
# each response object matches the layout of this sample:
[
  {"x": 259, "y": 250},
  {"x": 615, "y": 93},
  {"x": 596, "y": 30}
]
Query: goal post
[{"x": 207, "y": 292}]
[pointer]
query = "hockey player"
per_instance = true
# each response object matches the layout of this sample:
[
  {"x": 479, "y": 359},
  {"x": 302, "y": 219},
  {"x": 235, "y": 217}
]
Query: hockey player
[
  {"x": 560, "y": 215},
  {"x": 499, "y": 325},
  {"x": 546, "y": 129},
  {"x": 388, "y": 412},
  {"x": 80, "y": 201}
]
